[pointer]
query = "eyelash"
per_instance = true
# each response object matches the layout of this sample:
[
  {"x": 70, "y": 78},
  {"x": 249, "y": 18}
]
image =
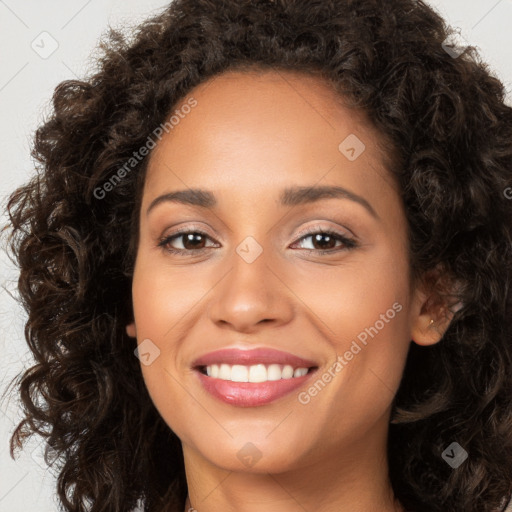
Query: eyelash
[{"x": 347, "y": 242}]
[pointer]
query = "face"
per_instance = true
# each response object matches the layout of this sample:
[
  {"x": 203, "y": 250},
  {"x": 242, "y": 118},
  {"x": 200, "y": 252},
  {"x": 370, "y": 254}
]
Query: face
[{"x": 258, "y": 264}]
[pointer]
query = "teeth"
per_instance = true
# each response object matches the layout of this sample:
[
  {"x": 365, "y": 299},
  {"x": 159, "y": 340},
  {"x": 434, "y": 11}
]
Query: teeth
[
  {"x": 225, "y": 372},
  {"x": 239, "y": 373},
  {"x": 257, "y": 373},
  {"x": 287, "y": 372},
  {"x": 274, "y": 372},
  {"x": 254, "y": 373},
  {"x": 300, "y": 372}
]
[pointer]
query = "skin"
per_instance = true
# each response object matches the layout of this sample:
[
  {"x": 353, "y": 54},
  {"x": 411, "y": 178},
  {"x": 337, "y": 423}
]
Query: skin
[{"x": 251, "y": 135}]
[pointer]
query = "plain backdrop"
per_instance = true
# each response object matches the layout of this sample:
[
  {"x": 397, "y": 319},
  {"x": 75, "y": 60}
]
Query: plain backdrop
[{"x": 44, "y": 43}]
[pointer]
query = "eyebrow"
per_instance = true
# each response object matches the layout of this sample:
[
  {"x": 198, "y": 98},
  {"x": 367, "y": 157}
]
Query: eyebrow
[{"x": 291, "y": 196}]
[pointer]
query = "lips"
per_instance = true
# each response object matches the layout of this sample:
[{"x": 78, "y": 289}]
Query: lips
[{"x": 251, "y": 394}]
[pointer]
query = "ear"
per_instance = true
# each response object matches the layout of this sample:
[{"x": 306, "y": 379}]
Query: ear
[
  {"x": 432, "y": 310},
  {"x": 131, "y": 330}
]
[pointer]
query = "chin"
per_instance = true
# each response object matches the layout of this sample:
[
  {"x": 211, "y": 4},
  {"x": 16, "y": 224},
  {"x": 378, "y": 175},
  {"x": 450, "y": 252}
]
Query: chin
[{"x": 250, "y": 456}]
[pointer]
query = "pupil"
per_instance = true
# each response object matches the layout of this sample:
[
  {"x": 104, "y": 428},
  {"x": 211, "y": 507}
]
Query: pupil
[
  {"x": 319, "y": 236},
  {"x": 192, "y": 237}
]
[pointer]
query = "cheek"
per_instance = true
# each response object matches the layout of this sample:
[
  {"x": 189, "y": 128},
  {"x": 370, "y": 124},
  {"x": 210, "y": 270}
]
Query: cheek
[
  {"x": 163, "y": 298},
  {"x": 166, "y": 303},
  {"x": 353, "y": 295},
  {"x": 362, "y": 311}
]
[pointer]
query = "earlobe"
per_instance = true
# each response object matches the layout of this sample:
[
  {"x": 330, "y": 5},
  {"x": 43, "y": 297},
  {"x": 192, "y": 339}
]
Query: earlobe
[
  {"x": 131, "y": 330},
  {"x": 427, "y": 331},
  {"x": 431, "y": 315}
]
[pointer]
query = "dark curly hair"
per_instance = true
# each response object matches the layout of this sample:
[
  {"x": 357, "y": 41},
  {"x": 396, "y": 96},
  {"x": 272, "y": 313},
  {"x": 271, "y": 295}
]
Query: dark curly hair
[{"x": 450, "y": 148}]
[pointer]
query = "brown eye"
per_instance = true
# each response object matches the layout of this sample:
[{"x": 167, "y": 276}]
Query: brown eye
[
  {"x": 324, "y": 241},
  {"x": 191, "y": 241}
]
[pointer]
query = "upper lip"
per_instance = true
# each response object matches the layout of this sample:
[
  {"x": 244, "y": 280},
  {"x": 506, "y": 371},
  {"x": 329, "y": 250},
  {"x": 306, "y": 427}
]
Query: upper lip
[{"x": 248, "y": 357}]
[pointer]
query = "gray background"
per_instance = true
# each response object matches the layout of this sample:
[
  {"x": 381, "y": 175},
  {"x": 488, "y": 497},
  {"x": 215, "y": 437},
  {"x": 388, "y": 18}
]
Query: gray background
[{"x": 28, "y": 76}]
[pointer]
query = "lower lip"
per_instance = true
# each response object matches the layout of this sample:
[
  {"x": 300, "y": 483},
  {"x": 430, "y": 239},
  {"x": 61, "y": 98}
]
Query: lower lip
[{"x": 251, "y": 394}]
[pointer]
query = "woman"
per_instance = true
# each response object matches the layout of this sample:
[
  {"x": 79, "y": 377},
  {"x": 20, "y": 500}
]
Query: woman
[{"x": 267, "y": 263}]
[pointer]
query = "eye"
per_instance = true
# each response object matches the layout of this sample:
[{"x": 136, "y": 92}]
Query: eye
[
  {"x": 193, "y": 240},
  {"x": 190, "y": 240},
  {"x": 327, "y": 239}
]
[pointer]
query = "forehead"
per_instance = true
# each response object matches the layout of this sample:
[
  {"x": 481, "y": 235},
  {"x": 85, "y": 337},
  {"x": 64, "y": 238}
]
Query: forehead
[
  {"x": 269, "y": 102},
  {"x": 260, "y": 130}
]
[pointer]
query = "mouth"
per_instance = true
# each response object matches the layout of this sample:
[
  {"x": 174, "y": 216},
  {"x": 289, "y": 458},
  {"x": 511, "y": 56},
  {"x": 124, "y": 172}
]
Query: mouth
[{"x": 249, "y": 378}]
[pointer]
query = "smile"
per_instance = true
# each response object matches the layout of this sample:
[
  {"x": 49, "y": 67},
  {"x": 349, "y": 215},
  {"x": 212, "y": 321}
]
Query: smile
[{"x": 250, "y": 385}]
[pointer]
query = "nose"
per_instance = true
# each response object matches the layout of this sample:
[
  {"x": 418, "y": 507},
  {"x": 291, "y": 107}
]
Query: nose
[{"x": 251, "y": 293}]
